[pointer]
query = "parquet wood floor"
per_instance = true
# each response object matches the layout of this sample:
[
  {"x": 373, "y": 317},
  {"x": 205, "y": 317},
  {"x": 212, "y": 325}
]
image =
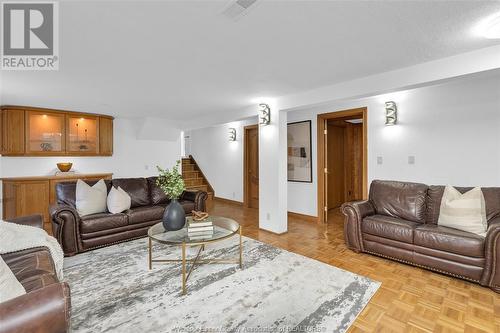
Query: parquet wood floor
[{"x": 410, "y": 299}]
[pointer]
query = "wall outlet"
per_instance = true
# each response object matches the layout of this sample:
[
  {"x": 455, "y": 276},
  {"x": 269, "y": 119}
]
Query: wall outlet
[
  {"x": 380, "y": 160},
  {"x": 146, "y": 167},
  {"x": 268, "y": 216},
  {"x": 234, "y": 195},
  {"x": 411, "y": 159}
]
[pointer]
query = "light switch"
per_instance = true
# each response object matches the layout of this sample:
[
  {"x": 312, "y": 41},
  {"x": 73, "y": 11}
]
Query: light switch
[
  {"x": 380, "y": 160},
  {"x": 411, "y": 159}
]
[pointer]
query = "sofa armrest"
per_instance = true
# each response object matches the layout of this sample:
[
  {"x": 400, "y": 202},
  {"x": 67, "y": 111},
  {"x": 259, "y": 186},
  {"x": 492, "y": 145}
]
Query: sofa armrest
[
  {"x": 65, "y": 227},
  {"x": 491, "y": 273},
  {"x": 354, "y": 213},
  {"x": 31, "y": 220},
  {"x": 198, "y": 197},
  {"x": 44, "y": 310}
]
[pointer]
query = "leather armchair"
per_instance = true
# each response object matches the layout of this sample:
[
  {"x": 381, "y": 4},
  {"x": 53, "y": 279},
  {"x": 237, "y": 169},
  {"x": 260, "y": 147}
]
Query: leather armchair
[{"x": 42, "y": 309}]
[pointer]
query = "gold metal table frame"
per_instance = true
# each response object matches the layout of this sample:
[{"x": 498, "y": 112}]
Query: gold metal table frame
[{"x": 234, "y": 228}]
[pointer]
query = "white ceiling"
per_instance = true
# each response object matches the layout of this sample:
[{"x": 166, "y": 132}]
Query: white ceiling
[{"x": 180, "y": 59}]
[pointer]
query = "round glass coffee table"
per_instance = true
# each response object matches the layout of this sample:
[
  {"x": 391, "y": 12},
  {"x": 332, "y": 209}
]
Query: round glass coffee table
[{"x": 223, "y": 228}]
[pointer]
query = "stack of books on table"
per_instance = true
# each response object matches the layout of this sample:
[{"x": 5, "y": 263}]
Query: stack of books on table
[{"x": 199, "y": 229}]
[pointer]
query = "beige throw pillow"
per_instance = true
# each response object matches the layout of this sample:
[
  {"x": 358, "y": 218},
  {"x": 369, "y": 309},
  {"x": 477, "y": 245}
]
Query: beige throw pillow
[
  {"x": 10, "y": 287},
  {"x": 465, "y": 212},
  {"x": 91, "y": 199},
  {"x": 118, "y": 200}
]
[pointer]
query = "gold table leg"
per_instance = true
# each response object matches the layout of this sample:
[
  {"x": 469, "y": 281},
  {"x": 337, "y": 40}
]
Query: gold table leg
[
  {"x": 184, "y": 268},
  {"x": 241, "y": 250},
  {"x": 150, "y": 254}
]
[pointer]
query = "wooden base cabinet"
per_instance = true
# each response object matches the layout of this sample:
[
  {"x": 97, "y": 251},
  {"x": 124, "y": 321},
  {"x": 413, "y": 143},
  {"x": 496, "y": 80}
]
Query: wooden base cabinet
[{"x": 32, "y": 195}]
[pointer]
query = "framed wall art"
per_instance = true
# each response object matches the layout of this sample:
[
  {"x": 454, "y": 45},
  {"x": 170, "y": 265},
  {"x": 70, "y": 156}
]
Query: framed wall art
[{"x": 299, "y": 152}]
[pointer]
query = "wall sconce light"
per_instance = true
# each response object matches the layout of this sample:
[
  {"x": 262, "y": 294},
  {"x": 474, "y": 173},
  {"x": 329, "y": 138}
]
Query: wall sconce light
[
  {"x": 232, "y": 134},
  {"x": 265, "y": 114},
  {"x": 391, "y": 113}
]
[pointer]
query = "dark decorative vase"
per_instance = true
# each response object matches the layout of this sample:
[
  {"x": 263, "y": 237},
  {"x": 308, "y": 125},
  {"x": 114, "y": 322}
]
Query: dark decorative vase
[{"x": 174, "y": 216}]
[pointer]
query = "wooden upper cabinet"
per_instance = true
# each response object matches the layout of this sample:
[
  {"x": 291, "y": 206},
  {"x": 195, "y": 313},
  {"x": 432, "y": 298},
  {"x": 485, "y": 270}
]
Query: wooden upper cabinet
[
  {"x": 106, "y": 136},
  {"x": 45, "y": 133},
  {"x": 29, "y": 131},
  {"x": 13, "y": 129}
]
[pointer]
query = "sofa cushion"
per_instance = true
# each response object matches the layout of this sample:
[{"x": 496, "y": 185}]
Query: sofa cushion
[
  {"x": 145, "y": 214},
  {"x": 157, "y": 194},
  {"x": 33, "y": 268},
  {"x": 118, "y": 200},
  {"x": 137, "y": 188},
  {"x": 102, "y": 221},
  {"x": 399, "y": 199},
  {"x": 466, "y": 212},
  {"x": 91, "y": 199},
  {"x": 389, "y": 227},
  {"x": 435, "y": 194},
  {"x": 449, "y": 240}
]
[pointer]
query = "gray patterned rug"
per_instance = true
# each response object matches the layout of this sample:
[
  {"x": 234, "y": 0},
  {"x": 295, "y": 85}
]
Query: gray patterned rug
[{"x": 112, "y": 290}]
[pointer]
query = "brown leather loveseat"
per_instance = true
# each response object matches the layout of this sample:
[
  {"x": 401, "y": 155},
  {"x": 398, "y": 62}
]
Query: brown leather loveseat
[
  {"x": 399, "y": 222},
  {"x": 82, "y": 233},
  {"x": 46, "y": 305}
]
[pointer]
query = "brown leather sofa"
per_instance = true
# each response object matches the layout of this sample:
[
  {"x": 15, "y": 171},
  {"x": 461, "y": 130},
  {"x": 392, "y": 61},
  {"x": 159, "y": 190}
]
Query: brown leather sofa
[
  {"x": 46, "y": 305},
  {"x": 399, "y": 222},
  {"x": 82, "y": 233}
]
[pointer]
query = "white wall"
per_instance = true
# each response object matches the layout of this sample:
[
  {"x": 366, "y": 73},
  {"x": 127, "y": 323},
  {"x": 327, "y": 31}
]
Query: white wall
[
  {"x": 220, "y": 160},
  {"x": 132, "y": 157},
  {"x": 452, "y": 129}
]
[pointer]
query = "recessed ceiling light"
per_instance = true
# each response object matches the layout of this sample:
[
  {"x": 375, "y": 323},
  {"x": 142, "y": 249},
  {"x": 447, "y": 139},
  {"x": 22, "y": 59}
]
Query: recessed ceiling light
[{"x": 489, "y": 27}]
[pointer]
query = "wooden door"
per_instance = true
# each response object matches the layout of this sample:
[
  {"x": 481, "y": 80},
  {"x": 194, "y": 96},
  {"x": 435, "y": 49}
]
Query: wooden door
[
  {"x": 13, "y": 132},
  {"x": 105, "y": 136},
  {"x": 26, "y": 198},
  {"x": 336, "y": 172},
  {"x": 252, "y": 166},
  {"x": 354, "y": 162}
]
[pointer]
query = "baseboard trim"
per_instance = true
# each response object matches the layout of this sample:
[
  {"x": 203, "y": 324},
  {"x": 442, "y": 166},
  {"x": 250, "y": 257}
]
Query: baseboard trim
[
  {"x": 304, "y": 217},
  {"x": 272, "y": 232},
  {"x": 228, "y": 201}
]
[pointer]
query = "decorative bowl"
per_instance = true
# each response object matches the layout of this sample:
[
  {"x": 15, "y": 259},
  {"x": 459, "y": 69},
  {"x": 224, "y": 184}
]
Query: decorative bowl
[{"x": 64, "y": 167}]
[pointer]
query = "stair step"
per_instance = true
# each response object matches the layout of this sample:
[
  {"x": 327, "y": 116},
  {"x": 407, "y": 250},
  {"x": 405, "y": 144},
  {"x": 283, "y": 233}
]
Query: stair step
[
  {"x": 186, "y": 161},
  {"x": 191, "y": 174},
  {"x": 193, "y": 181},
  {"x": 188, "y": 167}
]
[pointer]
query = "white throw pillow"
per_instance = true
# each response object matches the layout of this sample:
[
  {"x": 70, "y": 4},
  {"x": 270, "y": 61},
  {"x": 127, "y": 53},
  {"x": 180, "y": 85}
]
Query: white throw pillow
[
  {"x": 91, "y": 199},
  {"x": 465, "y": 212},
  {"x": 9, "y": 286},
  {"x": 118, "y": 200}
]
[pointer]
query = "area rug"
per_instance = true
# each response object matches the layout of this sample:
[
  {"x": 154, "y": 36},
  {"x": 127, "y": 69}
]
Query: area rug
[{"x": 112, "y": 290}]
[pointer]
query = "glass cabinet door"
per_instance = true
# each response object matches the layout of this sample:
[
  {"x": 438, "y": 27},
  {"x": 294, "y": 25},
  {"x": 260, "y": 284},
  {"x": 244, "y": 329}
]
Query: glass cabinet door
[
  {"x": 83, "y": 135},
  {"x": 44, "y": 133}
]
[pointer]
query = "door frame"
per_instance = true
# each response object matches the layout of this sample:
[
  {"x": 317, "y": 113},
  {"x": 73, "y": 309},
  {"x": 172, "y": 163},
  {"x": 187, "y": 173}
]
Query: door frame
[
  {"x": 322, "y": 162},
  {"x": 246, "y": 187}
]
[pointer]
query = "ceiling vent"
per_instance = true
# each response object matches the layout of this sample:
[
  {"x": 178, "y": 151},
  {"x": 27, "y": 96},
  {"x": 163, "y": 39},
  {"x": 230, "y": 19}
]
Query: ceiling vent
[{"x": 238, "y": 8}]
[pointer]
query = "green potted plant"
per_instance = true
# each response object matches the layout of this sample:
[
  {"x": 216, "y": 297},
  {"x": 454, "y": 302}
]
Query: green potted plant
[{"x": 171, "y": 182}]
